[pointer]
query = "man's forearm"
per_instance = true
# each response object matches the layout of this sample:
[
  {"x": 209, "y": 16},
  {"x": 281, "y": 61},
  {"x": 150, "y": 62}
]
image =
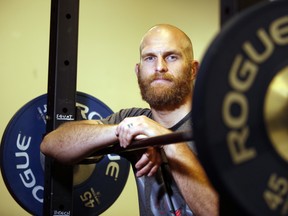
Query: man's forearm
[
  {"x": 192, "y": 180},
  {"x": 73, "y": 141}
]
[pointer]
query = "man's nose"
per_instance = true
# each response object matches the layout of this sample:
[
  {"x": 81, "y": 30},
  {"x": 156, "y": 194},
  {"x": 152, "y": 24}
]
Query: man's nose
[{"x": 161, "y": 65}]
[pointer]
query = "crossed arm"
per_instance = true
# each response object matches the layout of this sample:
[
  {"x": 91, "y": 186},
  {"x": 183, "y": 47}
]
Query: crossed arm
[
  {"x": 186, "y": 170},
  {"x": 192, "y": 180},
  {"x": 73, "y": 141}
]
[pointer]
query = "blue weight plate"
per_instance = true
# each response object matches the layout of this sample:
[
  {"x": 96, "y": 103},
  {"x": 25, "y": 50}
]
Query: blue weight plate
[{"x": 97, "y": 185}]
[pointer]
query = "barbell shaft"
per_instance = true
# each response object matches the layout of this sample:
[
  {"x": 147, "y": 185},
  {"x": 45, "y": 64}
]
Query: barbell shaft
[{"x": 175, "y": 137}]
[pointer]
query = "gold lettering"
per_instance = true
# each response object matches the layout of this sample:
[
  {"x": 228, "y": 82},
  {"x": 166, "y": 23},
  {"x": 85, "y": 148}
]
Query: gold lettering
[
  {"x": 275, "y": 193},
  {"x": 247, "y": 73},
  {"x": 113, "y": 169},
  {"x": 279, "y": 30},
  {"x": 230, "y": 120},
  {"x": 268, "y": 48},
  {"x": 236, "y": 143}
]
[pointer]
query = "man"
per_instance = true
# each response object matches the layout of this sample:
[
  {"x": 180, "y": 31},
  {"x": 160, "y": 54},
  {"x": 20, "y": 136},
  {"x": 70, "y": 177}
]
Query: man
[{"x": 170, "y": 179}]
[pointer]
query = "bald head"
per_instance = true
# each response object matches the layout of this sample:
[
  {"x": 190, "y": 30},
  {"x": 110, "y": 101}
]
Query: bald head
[
  {"x": 168, "y": 33},
  {"x": 166, "y": 70}
]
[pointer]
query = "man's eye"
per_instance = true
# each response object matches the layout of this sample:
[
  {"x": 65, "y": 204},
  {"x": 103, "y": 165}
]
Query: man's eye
[
  {"x": 171, "y": 58},
  {"x": 149, "y": 58}
]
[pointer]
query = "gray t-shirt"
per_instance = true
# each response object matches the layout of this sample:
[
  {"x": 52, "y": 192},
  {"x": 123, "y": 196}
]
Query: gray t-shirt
[{"x": 158, "y": 195}]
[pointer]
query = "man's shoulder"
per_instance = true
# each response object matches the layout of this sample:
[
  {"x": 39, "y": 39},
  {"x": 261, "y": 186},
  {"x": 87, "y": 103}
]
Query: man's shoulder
[
  {"x": 117, "y": 117},
  {"x": 134, "y": 111}
]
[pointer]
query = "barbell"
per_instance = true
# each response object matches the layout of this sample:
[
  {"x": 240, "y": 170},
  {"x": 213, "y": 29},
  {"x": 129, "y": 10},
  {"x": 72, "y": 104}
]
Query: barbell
[
  {"x": 240, "y": 122},
  {"x": 240, "y": 117}
]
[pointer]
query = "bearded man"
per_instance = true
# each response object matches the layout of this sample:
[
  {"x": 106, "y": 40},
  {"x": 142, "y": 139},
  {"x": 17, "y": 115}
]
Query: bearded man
[{"x": 170, "y": 179}]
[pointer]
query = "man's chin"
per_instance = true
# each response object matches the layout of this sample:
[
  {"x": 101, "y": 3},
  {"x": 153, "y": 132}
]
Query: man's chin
[
  {"x": 161, "y": 88},
  {"x": 161, "y": 82}
]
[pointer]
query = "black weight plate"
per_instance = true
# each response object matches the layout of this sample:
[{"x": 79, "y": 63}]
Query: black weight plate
[
  {"x": 228, "y": 117},
  {"x": 22, "y": 163}
]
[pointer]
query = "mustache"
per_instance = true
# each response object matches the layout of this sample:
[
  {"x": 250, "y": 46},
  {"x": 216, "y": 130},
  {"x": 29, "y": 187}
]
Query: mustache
[{"x": 164, "y": 76}]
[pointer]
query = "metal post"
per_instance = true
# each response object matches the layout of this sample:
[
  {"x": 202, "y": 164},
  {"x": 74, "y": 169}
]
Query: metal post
[{"x": 58, "y": 193}]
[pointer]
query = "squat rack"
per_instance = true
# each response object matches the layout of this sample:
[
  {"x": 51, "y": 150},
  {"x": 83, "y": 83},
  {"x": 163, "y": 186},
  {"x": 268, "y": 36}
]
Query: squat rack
[
  {"x": 61, "y": 100},
  {"x": 62, "y": 73}
]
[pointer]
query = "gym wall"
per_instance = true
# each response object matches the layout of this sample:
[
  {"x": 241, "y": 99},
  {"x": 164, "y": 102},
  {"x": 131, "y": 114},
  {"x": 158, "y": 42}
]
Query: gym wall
[{"x": 109, "y": 36}]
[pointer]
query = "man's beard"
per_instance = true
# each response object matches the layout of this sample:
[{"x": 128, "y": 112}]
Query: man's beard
[{"x": 163, "y": 96}]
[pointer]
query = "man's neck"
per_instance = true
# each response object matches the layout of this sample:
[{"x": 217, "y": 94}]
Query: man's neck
[{"x": 168, "y": 118}]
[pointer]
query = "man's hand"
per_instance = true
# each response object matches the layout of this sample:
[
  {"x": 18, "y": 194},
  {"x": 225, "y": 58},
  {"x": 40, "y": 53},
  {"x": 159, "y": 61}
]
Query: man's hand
[
  {"x": 135, "y": 128},
  {"x": 149, "y": 163},
  {"x": 141, "y": 127}
]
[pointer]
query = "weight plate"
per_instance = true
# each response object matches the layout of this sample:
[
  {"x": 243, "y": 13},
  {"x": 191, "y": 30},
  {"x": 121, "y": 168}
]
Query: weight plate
[
  {"x": 235, "y": 129},
  {"x": 96, "y": 187}
]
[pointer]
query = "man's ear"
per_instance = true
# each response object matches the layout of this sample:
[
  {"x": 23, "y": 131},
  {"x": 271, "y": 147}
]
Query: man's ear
[
  {"x": 137, "y": 69},
  {"x": 195, "y": 68}
]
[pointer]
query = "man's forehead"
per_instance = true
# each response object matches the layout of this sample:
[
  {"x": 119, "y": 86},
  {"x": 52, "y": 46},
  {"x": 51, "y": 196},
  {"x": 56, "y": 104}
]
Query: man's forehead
[
  {"x": 159, "y": 49},
  {"x": 159, "y": 35},
  {"x": 160, "y": 43}
]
